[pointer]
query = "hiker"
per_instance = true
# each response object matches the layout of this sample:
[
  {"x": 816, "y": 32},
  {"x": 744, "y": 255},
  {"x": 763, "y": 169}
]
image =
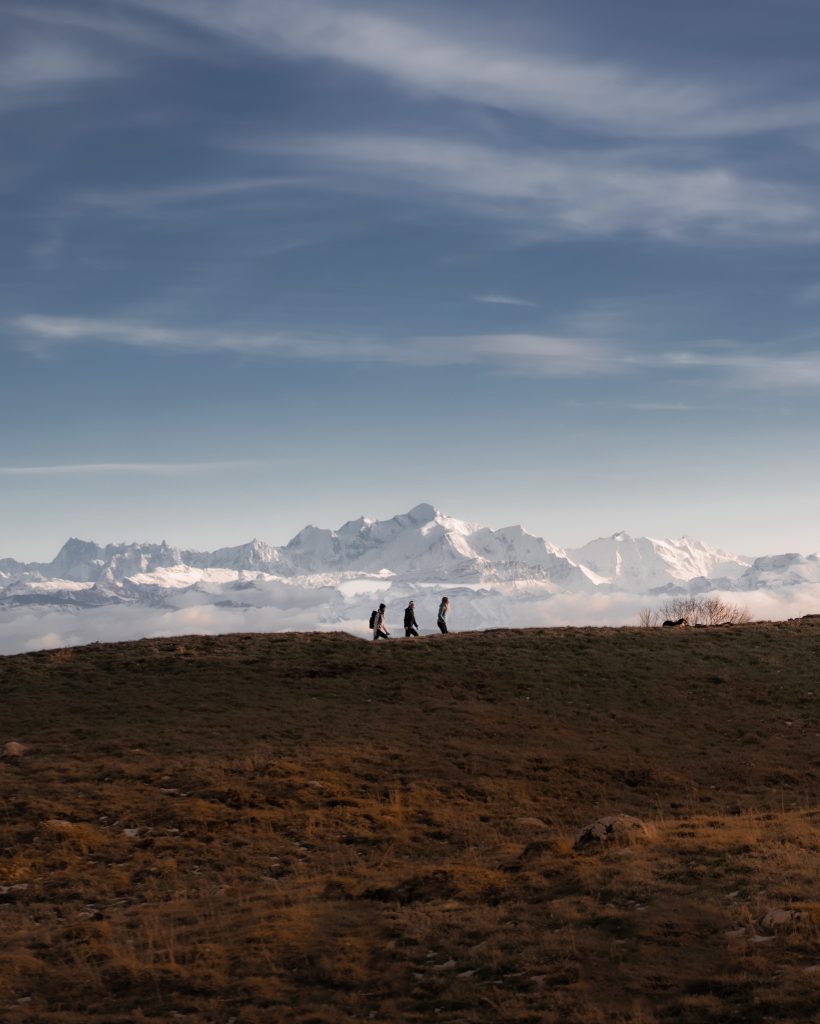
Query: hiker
[
  {"x": 443, "y": 608},
  {"x": 379, "y": 627},
  {"x": 411, "y": 627}
]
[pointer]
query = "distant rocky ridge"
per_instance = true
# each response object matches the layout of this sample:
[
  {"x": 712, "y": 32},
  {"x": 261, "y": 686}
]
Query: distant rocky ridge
[{"x": 422, "y": 545}]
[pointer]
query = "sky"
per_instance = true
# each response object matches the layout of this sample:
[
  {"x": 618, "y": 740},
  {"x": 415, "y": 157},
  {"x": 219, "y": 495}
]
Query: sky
[{"x": 266, "y": 263}]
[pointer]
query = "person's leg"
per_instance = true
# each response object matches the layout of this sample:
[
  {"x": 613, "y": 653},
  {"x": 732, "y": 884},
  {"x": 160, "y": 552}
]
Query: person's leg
[{"x": 442, "y": 626}]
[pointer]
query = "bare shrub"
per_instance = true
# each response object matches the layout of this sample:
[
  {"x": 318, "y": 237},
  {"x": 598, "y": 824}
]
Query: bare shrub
[
  {"x": 698, "y": 611},
  {"x": 649, "y": 617}
]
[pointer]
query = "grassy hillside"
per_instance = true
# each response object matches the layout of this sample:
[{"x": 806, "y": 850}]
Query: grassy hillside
[{"x": 312, "y": 828}]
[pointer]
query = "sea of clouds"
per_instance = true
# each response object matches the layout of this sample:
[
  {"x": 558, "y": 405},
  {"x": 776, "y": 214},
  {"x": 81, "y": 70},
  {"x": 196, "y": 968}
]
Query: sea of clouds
[{"x": 41, "y": 627}]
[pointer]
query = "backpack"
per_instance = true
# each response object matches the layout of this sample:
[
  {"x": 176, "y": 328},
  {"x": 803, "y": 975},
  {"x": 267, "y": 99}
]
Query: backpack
[{"x": 373, "y": 615}]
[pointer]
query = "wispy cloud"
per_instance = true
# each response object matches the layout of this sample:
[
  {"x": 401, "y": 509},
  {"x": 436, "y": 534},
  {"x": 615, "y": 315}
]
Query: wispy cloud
[
  {"x": 544, "y": 354},
  {"x": 550, "y": 191},
  {"x": 69, "y": 328},
  {"x": 109, "y": 24},
  {"x": 636, "y": 406},
  {"x": 80, "y": 469},
  {"x": 44, "y": 331},
  {"x": 660, "y": 407},
  {"x": 810, "y": 293},
  {"x": 503, "y": 300},
  {"x": 456, "y": 62},
  {"x": 34, "y": 70},
  {"x": 128, "y": 201},
  {"x": 753, "y": 370}
]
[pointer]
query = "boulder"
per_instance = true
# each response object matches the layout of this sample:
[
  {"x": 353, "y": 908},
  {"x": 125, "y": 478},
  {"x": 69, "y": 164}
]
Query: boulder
[
  {"x": 615, "y": 826},
  {"x": 779, "y": 918},
  {"x": 14, "y": 749}
]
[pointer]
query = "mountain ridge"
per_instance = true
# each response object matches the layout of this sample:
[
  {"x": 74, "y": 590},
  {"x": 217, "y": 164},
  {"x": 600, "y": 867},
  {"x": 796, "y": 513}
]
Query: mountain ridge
[
  {"x": 330, "y": 579},
  {"x": 423, "y": 541}
]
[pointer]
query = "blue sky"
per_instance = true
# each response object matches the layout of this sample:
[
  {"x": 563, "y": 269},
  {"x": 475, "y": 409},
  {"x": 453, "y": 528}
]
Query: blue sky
[{"x": 270, "y": 262}]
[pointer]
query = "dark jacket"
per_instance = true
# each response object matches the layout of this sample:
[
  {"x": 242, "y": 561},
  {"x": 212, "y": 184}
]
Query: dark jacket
[{"x": 410, "y": 618}]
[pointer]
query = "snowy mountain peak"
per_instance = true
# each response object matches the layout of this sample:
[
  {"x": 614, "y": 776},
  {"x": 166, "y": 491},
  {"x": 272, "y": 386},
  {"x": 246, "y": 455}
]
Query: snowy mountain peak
[
  {"x": 77, "y": 559},
  {"x": 642, "y": 564},
  {"x": 308, "y": 535},
  {"x": 75, "y": 549},
  {"x": 355, "y": 526},
  {"x": 422, "y": 513}
]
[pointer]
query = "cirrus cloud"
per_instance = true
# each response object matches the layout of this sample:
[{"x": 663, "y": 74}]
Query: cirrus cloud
[
  {"x": 455, "y": 61},
  {"x": 549, "y": 191}
]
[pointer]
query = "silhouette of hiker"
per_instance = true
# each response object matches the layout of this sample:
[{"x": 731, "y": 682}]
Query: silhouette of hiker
[
  {"x": 411, "y": 627},
  {"x": 380, "y": 629},
  {"x": 443, "y": 608}
]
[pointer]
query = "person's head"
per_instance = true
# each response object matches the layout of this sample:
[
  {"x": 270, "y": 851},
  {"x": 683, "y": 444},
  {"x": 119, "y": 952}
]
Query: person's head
[
  {"x": 445, "y": 600},
  {"x": 382, "y": 607},
  {"x": 411, "y": 604}
]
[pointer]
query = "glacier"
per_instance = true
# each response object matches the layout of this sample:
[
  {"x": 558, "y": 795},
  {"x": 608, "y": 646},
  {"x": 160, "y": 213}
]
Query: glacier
[{"x": 330, "y": 579}]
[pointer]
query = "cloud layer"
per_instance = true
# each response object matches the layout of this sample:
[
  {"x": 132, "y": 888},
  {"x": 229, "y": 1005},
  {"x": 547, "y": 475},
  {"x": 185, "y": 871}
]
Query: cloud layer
[{"x": 30, "y": 630}]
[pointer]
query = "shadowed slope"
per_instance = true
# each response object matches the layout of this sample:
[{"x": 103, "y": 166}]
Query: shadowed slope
[{"x": 313, "y": 828}]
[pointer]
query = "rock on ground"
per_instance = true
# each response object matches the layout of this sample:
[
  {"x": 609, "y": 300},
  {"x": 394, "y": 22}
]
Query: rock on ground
[
  {"x": 780, "y": 917},
  {"x": 615, "y": 826}
]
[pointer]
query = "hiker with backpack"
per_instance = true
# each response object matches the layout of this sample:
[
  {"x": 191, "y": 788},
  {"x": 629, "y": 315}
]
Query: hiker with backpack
[
  {"x": 411, "y": 627},
  {"x": 443, "y": 608},
  {"x": 377, "y": 624}
]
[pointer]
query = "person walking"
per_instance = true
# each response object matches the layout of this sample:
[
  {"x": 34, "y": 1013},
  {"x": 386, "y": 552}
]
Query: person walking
[
  {"x": 380, "y": 628},
  {"x": 411, "y": 627},
  {"x": 443, "y": 608}
]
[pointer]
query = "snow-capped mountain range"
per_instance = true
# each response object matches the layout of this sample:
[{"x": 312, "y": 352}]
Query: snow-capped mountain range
[{"x": 504, "y": 576}]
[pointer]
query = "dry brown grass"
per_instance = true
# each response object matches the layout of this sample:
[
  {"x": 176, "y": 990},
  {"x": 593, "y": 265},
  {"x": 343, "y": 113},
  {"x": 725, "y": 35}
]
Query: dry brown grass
[{"x": 314, "y": 829}]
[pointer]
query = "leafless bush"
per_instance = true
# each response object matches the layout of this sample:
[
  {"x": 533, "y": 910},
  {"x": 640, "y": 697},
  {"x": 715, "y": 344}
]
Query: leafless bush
[
  {"x": 698, "y": 611},
  {"x": 649, "y": 617}
]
